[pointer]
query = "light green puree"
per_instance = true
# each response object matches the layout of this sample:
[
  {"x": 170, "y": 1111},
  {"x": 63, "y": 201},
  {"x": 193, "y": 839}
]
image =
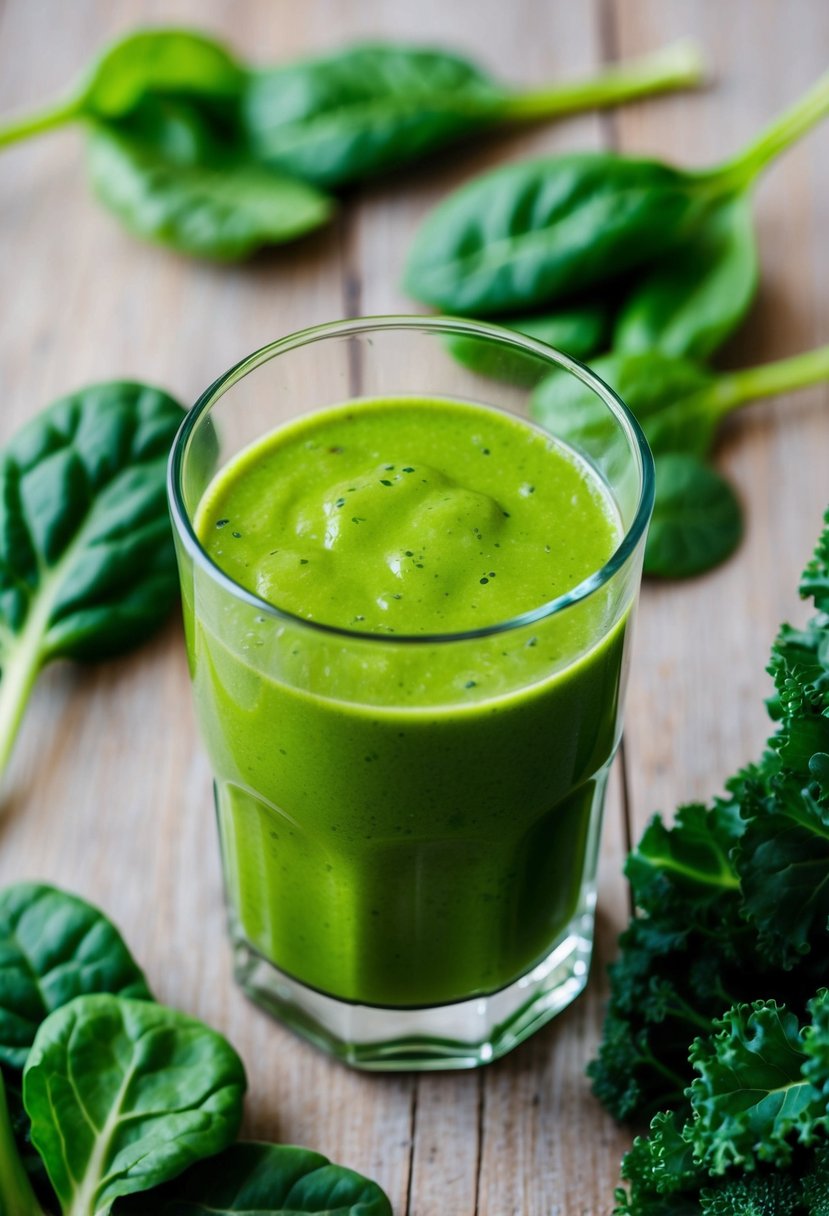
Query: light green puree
[{"x": 406, "y": 823}]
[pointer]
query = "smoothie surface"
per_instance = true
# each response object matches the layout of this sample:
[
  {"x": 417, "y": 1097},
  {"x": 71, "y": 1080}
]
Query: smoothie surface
[{"x": 408, "y": 516}]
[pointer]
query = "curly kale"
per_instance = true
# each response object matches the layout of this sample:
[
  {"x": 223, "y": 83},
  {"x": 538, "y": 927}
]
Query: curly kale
[
  {"x": 733, "y": 899},
  {"x": 754, "y": 1141}
]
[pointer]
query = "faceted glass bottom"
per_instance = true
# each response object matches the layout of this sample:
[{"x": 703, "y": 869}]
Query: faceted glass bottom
[{"x": 465, "y": 1034}]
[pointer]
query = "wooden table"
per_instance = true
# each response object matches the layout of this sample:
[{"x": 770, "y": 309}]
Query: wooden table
[{"x": 109, "y": 790}]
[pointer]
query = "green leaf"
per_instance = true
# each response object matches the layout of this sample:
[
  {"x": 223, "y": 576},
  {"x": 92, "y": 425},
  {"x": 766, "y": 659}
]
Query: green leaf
[
  {"x": 663, "y": 1161},
  {"x": 800, "y": 667},
  {"x": 815, "y": 582},
  {"x": 579, "y": 331},
  {"x": 697, "y": 521},
  {"x": 530, "y": 235},
  {"x": 263, "y": 1180},
  {"x": 87, "y": 564},
  {"x": 363, "y": 110},
  {"x": 665, "y": 393},
  {"x": 125, "y": 1095},
  {"x": 21, "y": 1128},
  {"x": 783, "y": 861},
  {"x": 686, "y": 866},
  {"x": 54, "y": 947},
  {"x": 696, "y": 295},
  {"x": 751, "y": 1099},
  {"x": 671, "y": 980},
  {"x": 211, "y": 206},
  {"x": 16, "y": 1195},
  {"x": 168, "y": 61},
  {"x": 349, "y": 114},
  {"x": 816, "y": 1044}
]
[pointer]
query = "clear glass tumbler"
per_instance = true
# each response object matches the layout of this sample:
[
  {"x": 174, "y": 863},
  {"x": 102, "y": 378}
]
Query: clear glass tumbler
[{"x": 410, "y": 865}]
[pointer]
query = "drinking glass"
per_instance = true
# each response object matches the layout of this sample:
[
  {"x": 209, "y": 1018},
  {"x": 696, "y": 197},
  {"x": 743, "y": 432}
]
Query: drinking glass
[{"x": 410, "y": 861}]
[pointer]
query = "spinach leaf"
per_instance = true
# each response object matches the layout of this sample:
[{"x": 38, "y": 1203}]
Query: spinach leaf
[
  {"x": 170, "y": 182},
  {"x": 341, "y": 117},
  {"x": 169, "y": 62},
  {"x": 580, "y": 331},
  {"x": 667, "y": 394},
  {"x": 157, "y": 61},
  {"x": 679, "y": 405},
  {"x": 697, "y": 522},
  {"x": 263, "y": 1180},
  {"x": 87, "y": 564},
  {"x": 167, "y": 155},
  {"x": 124, "y": 1095},
  {"x": 355, "y": 112},
  {"x": 694, "y": 298},
  {"x": 533, "y": 235},
  {"x": 54, "y": 947}
]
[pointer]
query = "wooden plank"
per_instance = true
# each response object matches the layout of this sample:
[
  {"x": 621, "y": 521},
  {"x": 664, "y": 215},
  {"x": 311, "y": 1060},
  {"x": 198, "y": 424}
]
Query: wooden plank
[{"x": 696, "y": 701}]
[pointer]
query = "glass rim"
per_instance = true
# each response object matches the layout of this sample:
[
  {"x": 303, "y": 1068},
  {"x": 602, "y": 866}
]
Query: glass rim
[{"x": 442, "y": 325}]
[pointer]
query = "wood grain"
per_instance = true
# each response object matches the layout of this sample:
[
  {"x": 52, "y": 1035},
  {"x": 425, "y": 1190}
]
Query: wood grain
[{"x": 109, "y": 791}]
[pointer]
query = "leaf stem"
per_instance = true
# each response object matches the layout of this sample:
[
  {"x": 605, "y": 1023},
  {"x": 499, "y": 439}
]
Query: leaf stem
[
  {"x": 673, "y": 67},
  {"x": 779, "y": 135},
  {"x": 733, "y": 389},
  {"x": 16, "y": 1195},
  {"x": 42, "y": 120},
  {"x": 20, "y": 669}
]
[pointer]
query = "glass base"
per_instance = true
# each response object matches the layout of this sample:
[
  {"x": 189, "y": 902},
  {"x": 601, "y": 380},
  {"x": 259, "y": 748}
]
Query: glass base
[{"x": 461, "y": 1035}]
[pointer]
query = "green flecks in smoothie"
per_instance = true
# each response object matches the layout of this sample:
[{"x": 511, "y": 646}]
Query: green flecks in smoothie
[{"x": 435, "y": 539}]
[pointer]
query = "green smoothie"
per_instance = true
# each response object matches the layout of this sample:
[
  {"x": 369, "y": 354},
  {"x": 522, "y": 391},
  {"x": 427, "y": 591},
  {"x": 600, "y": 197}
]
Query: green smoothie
[{"x": 405, "y": 817}]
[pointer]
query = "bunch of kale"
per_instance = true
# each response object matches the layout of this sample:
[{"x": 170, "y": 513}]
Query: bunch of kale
[{"x": 722, "y": 963}]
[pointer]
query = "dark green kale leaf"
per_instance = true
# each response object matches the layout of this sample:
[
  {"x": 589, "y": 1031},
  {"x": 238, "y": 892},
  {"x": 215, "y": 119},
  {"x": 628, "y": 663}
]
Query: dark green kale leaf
[
  {"x": 668, "y": 986},
  {"x": 687, "y": 867},
  {"x": 754, "y": 1140},
  {"x": 784, "y": 868},
  {"x": 752, "y": 1098},
  {"x": 663, "y": 1161}
]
